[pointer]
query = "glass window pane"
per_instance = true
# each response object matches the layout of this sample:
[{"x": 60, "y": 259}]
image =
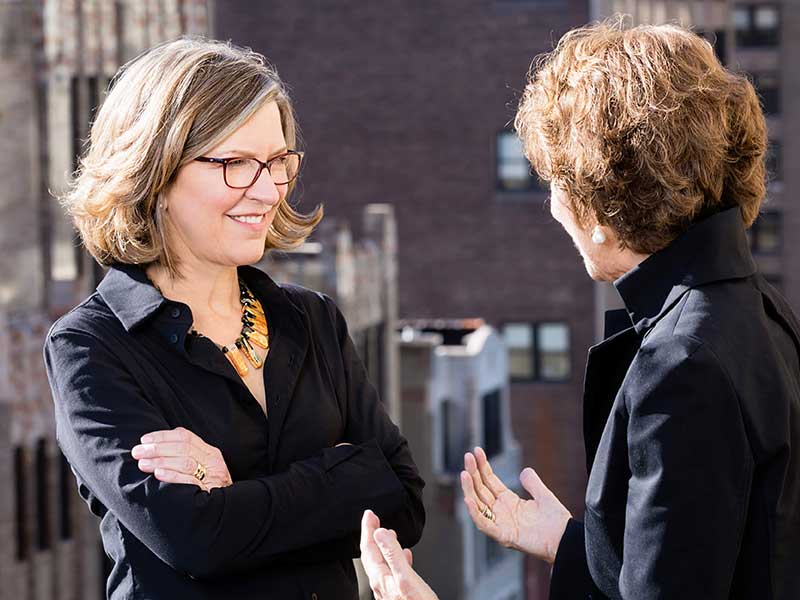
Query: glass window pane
[
  {"x": 553, "y": 337},
  {"x": 767, "y": 233},
  {"x": 554, "y": 367},
  {"x": 509, "y": 146},
  {"x": 766, "y": 17},
  {"x": 513, "y": 169},
  {"x": 519, "y": 341},
  {"x": 518, "y": 335},
  {"x": 552, "y": 351},
  {"x": 741, "y": 17}
]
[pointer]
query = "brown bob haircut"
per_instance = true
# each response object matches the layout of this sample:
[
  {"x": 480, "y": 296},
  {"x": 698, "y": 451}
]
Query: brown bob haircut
[
  {"x": 644, "y": 130},
  {"x": 164, "y": 109}
]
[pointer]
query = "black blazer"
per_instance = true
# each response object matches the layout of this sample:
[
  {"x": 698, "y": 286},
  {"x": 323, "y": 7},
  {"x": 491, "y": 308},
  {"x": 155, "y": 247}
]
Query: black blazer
[
  {"x": 121, "y": 365},
  {"x": 692, "y": 432}
]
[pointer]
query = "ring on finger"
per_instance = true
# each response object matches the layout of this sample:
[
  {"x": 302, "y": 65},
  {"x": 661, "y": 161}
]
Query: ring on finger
[
  {"x": 200, "y": 471},
  {"x": 488, "y": 513}
]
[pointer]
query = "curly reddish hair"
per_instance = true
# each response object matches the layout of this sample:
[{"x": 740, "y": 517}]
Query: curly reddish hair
[{"x": 644, "y": 130}]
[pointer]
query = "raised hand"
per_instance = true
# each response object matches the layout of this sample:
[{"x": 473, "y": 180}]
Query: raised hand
[
  {"x": 388, "y": 565},
  {"x": 533, "y": 526},
  {"x": 180, "y": 456}
]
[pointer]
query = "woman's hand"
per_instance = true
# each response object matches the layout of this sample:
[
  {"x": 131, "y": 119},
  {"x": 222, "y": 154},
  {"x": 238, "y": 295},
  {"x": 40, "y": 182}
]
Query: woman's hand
[
  {"x": 180, "y": 456},
  {"x": 387, "y": 565},
  {"x": 533, "y": 526}
]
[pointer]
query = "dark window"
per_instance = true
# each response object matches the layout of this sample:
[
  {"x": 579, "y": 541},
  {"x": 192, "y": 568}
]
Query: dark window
[
  {"x": 21, "y": 503},
  {"x": 538, "y": 352},
  {"x": 42, "y": 516},
  {"x": 492, "y": 423},
  {"x": 768, "y": 86},
  {"x": 765, "y": 234},
  {"x": 717, "y": 40},
  {"x": 454, "y": 437},
  {"x": 775, "y": 161},
  {"x": 757, "y": 24},
  {"x": 65, "y": 492},
  {"x": 519, "y": 342},
  {"x": 513, "y": 173}
]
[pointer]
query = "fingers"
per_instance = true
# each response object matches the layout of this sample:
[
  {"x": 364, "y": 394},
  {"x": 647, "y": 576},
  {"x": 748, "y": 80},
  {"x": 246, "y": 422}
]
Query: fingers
[
  {"x": 409, "y": 556},
  {"x": 184, "y": 464},
  {"x": 532, "y": 483},
  {"x": 492, "y": 481},
  {"x": 179, "y": 434},
  {"x": 483, "y": 493},
  {"x": 168, "y": 476},
  {"x": 162, "y": 449},
  {"x": 392, "y": 552},
  {"x": 369, "y": 523},
  {"x": 378, "y": 572},
  {"x": 482, "y": 523}
]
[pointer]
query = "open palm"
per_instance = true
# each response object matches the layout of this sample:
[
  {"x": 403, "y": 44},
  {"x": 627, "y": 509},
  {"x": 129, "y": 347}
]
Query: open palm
[{"x": 533, "y": 526}]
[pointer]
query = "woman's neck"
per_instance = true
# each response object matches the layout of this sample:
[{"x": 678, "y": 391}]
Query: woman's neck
[{"x": 210, "y": 291}]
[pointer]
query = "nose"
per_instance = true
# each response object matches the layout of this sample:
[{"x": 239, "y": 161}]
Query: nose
[{"x": 264, "y": 189}]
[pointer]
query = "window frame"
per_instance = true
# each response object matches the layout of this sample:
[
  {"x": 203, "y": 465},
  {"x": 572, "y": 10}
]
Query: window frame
[
  {"x": 535, "y": 186},
  {"x": 536, "y": 371},
  {"x": 752, "y": 36}
]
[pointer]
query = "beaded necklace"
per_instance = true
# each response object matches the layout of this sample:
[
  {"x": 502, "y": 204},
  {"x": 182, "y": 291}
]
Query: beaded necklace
[{"x": 254, "y": 332}]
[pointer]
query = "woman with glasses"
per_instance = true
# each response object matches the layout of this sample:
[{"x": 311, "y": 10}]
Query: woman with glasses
[{"x": 221, "y": 425}]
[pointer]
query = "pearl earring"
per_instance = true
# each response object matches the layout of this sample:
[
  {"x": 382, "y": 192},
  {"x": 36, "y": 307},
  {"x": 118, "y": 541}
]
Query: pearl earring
[{"x": 598, "y": 237}]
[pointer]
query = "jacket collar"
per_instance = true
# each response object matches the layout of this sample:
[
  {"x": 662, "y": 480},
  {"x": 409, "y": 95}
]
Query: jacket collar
[
  {"x": 133, "y": 299},
  {"x": 714, "y": 249}
]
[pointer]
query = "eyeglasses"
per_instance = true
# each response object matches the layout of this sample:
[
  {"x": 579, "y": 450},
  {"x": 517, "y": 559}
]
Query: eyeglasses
[{"x": 240, "y": 173}]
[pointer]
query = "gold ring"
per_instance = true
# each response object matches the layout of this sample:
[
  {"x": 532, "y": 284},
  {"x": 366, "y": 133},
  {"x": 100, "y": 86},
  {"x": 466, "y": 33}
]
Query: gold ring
[
  {"x": 487, "y": 512},
  {"x": 200, "y": 471}
]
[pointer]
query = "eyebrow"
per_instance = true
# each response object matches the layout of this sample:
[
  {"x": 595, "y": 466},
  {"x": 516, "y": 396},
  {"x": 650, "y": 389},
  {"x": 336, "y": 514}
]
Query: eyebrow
[{"x": 253, "y": 154}]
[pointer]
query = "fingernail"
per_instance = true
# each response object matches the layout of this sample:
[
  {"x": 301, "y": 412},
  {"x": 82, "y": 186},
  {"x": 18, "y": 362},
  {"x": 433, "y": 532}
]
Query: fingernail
[
  {"x": 146, "y": 438},
  {"x": 145, "y": 463},
  {"x": 136, "y": 451}
]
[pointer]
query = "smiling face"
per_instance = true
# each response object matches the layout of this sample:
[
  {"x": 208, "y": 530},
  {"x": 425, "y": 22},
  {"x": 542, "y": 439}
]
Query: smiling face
[{"x": 209, "y": 223}]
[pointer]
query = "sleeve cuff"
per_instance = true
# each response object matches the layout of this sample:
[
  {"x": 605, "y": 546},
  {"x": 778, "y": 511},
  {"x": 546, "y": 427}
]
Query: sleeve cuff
[{"x": 570, "y": 578}]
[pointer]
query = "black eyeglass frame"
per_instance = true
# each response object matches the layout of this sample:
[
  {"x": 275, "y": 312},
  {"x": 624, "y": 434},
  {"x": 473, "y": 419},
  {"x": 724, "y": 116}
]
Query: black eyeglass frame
[{"x": 262, "y": 165}]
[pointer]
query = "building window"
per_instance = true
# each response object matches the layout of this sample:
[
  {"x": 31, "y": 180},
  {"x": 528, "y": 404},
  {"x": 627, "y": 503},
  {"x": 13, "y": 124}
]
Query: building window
[
  {"x": 756, "y": 25},
  {"x": 42, "y": 516},
  {"x": 717, "y": 41},
  {"x": 768, "y": 87},
  {"x": 492, "y": 423},
  {"x": 513, "y": 169},
  {"x": 454, "y": 436},
  {"x": 538, "y": 352},
  {"x": 519, "y": 342},
  {"x": 765, "y": 233},
  {"x": 774, "y": 161},
  {"x": 21, "y": 503},
  {"x": 65, "y": 492}
]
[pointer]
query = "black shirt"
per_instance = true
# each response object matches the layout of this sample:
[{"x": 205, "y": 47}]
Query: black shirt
[{"x": 121, "y": 365}]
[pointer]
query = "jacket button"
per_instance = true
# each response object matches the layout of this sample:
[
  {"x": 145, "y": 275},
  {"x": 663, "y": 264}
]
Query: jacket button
[
  {"x": 314, "y": 596},
  {"x": 173, "y": 338},
  {"x": 175, "y": 312}
]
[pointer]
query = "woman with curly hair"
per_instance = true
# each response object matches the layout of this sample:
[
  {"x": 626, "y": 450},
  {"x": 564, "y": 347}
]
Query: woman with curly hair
[
  {"x": 221, "y": 425},
  {"x": 655, "y": 157}
]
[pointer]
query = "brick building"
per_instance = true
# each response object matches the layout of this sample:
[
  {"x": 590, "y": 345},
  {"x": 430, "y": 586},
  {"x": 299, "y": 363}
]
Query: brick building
[{"x": 409, "y": 103}]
